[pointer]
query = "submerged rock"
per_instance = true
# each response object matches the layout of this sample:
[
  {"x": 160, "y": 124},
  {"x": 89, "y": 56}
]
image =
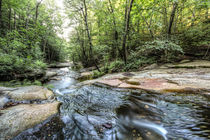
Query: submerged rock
[
  {"x": 16, "y": 119},
  {"x": 30, "y": 93}
]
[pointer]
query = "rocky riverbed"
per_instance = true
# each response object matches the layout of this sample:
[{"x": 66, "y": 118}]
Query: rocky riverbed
[{"x": 160, "y": 102}]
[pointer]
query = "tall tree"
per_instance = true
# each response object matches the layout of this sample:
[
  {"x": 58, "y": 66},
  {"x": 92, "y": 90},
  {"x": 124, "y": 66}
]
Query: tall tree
[
  {"x": 85, "y": 15},
  {"x": 1, "y": 14},
  {"x": 37, "y": 10},
  {"x": 173, "y": 13},
  {"x": 127, "y": 21}
]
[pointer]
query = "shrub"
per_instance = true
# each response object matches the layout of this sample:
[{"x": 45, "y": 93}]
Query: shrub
[
  {"x": 135, "y": 62},
  {"x": 161, "y": 50},
  {"x": 116, "y": 66},
  {"x": 97, "y": 74},
  {"x": 38, "y": 64},
  {"x": 197, "y": 35}
]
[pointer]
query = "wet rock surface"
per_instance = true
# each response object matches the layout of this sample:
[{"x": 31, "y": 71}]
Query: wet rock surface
[
  {"x": 30, "y": 93},
  {"x": 49, "y": 129},
  {"x": 22, "y": 108},
  {"x": 14, "y": 120},
  {"x": 85, "y": 76}
]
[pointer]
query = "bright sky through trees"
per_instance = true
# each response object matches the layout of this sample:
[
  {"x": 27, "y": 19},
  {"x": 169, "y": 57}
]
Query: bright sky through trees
[{"x": 66, "y": 28}]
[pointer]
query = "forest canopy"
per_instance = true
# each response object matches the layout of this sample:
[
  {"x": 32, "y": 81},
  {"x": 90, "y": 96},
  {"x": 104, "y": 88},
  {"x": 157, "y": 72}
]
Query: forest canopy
[
  {"x": 112, "y": 35},
  {"x": 28, "y": 36},
  {"x": 130, "y": 33}
]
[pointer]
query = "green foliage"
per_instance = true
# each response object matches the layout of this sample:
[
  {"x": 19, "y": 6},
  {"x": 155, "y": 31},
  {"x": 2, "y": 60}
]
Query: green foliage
[
  {"x": 97, "y": 74},
  {"x": 136, "y": 61},
  {"x": 161, "y": 50},
  {"x": 26, "y": 43},
  {"x": 18, "y": 56},
  {"x": 116, "y": 66},
  {"x": 39, "y": 64},
  {"x": 149, "y": 20},
  {"x": 198, "y": 35}
]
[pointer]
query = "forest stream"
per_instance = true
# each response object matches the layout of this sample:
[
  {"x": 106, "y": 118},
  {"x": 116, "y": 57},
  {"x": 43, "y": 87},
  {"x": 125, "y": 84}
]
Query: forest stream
[{"x": 101, "y": 112}]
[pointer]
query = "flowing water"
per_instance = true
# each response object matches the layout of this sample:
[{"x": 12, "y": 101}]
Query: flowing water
[{"x": 98, "y": 112}]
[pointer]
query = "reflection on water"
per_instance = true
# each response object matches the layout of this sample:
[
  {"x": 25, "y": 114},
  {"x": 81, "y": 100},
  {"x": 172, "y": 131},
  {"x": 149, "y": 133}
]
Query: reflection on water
[
  {"x": 93, "y": 112},
  {"x": 66, "y": 77}
]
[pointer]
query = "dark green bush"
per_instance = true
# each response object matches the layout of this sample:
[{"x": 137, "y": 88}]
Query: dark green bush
[
  {"x": 161, "y": 50},
  {"x": 198, "y": 35},
  {"x": 116, "y": 66}
]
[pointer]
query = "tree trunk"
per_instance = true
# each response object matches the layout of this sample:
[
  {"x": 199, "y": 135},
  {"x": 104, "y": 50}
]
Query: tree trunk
[
  {"x": 9, "y": 18},
  {"x": 14, "y": 20},
  {"x": 81, "y": 41},
  {"x": 115, "y": 46},
  {"x": 148, "y": 26},
  {"x": 37, "y": 10},
  {"x": 88, "y": 34},
  {"x": 165, "y": 18},
  {"x": 127, "y": 14},
  {"x": 1, "y": 24},
  {"x": 173, "y": 13}
]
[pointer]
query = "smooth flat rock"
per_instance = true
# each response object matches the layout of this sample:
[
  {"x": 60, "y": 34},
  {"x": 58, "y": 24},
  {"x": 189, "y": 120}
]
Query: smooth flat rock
[
  {"x": 111, "y": 82},
  {"x": 30, "y": 93},
  {"x": 164, "y": 80},
  {"x": 16, "y": 119},
  {"x": 158, "y": 85}
]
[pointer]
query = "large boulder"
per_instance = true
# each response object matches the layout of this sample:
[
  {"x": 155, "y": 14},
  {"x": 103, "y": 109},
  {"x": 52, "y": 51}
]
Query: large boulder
[
  {"x": 30, "y": 93},
  {"x": 86, "y": 76},
  {"x": 16, "y": 119},
  {"x": 49, "y": 75}
]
